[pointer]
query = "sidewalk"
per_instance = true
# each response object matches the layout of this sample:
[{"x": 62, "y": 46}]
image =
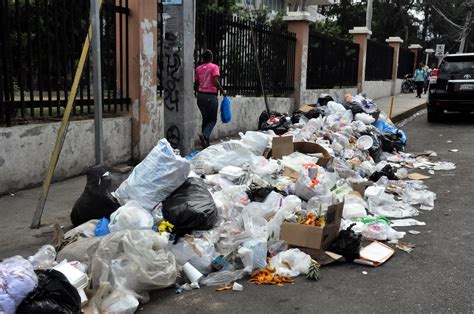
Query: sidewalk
[
  {"x": 17, "y": 210},
  {"x": 404, "y": 105}
]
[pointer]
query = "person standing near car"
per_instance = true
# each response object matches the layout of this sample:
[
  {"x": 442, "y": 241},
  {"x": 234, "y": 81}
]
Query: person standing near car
[
  {"x": 206, "y": 85},
  {"x": 420, "y": 77}
]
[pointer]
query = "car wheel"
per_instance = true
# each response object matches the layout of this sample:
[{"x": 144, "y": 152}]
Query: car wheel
[{"x": 434, "y": 115}]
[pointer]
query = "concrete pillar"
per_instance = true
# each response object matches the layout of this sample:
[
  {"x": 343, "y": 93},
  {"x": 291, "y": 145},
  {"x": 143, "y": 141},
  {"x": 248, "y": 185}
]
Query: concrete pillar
[
  {"x": 142, "y": 76},
  {"x": 298, "y": 23},
  {"x": 360, "y": 35},
  {"x": 178, "y": 75},
  {"x": 415, "y": 48},
  {"x": 395, "y": 43}
]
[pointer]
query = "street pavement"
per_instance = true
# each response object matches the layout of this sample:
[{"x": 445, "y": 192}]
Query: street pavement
[
  {"x": 436, "y": 277},
  {"x": 404, "y": 105}
]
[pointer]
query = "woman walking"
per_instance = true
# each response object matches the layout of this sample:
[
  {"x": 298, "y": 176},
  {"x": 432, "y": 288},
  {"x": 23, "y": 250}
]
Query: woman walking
[
  {"x": 420, "y": 77},
  {"x": 206, "y": 86}
]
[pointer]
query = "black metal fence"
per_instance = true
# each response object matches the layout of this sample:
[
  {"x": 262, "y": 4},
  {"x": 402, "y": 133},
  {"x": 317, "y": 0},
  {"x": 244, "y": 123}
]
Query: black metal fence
[
  {"x": 406, "y": 62},
  {"x": 40, "y": 45},
  {"x": 331, "y": 62},
  {"x": 230, "y": 39},
  {"x": 379, "y": 61}
]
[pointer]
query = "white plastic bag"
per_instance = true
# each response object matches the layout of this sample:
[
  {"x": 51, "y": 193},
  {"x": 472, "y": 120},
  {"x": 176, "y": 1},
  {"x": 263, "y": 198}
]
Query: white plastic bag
[
  {"x": 130, "y": 217},
  {"x": 155, "y": 178},
  {"x": 257, "y": 142},
  {"x": 290, "y": 205},
  {"x": 364, "y": 117},
  {"x": 385, "y": 205},
  {"x": 413, "y": 196},
  {"x": 354, "y": 207},
  {"x": 291, "y": 263},
  {"x": 334, "y": 107},
  {"x": 17, "y": 280},
  {"x": 198, "y": 252},
  {"x": 381, "y": 231}
]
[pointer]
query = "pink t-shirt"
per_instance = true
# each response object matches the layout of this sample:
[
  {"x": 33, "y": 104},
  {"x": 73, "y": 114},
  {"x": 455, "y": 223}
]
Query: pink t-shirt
[{"x": 205, "y": 74}]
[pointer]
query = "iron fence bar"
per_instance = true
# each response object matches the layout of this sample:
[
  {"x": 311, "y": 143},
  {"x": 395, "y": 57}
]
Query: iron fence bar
[{"x": 127, "y": 73}]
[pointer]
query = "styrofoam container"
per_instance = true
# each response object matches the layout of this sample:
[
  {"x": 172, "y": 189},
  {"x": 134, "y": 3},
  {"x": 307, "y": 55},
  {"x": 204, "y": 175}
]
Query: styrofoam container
[{"x": 365, "y": 142}]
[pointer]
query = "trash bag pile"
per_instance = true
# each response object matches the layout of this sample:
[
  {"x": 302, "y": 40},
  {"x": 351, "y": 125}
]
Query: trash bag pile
[{"x": 327, "y": 184}]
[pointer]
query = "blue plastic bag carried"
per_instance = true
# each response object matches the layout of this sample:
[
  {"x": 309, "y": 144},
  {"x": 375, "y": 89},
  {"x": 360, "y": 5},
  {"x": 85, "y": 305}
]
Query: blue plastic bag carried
[{"x": 226, "y": 112}]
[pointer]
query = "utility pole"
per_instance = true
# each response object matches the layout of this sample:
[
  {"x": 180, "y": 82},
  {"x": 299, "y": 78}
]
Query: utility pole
[
  {"x": 368, "y": 17},
  {"x": 466, "y": 31},
  {"x": 96, "y": 61}
]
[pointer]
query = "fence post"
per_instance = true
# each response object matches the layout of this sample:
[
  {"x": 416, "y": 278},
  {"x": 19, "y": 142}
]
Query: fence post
[
  {"x": 298, "y": 23},
  {"x": 415, "y": 48},
  {"x": 142, "y": 78},
  {"x": 360, "y": 35},
  {"x": 395, "y": 43}
]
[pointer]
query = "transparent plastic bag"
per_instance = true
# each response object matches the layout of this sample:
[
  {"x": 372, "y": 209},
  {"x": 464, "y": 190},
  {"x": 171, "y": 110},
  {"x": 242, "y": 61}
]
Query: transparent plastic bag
[
  {"x": 264, "y": 167},
  {"x": 385, "y": 205},
  {"x": 197, "y": 251},
  {"x": 155, "y": 178},
  {"x": 259, "y": 248},
  {"x": 44, "y": 258},
  {"x": 120, "y": 301},
  {"x": 290, "y": 205},
  {"x": 413, "y": 196},
  {"x": 354, "y": 207},
  {"x": 381, "y": 232},
  {"x": 291, "y": 263},
  {"x": 129, "y": 260}
]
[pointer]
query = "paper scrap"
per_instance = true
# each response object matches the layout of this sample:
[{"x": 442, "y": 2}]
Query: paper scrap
[
  {"x": 414, "y": 232},
  {"x": 375, "y": 254},
  {"x": 405, "y": 246},
  {"x": 454, "y": 150},
  {"x": 417, "y": 176},
  {"x": 449, "y": 141}
]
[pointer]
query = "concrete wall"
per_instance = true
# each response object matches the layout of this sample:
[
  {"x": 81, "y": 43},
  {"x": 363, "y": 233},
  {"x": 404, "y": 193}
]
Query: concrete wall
[
  {"x": 25, "y": 150},
  {"x": 311, "y": 96},
  {"x": 379, "y": 89},
  {"x": 245, "y": 114}
]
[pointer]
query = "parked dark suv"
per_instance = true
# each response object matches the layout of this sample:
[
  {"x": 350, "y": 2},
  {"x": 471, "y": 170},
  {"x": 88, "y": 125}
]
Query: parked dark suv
[{"x": 452, "y": 87}]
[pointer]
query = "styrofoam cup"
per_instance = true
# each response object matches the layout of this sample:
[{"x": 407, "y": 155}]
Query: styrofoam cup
[
  {"x": 191, "y": 272},
  {"x": 365, "y": 142}
]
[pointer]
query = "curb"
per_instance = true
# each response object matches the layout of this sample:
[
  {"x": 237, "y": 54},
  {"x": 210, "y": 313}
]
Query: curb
[{"x": 408, "y": 113}]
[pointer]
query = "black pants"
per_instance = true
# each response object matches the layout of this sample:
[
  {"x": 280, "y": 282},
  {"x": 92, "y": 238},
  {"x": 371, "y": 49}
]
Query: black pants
[
  {"x": 419, "y": 88},
  {"x": 208, "y": 105}
]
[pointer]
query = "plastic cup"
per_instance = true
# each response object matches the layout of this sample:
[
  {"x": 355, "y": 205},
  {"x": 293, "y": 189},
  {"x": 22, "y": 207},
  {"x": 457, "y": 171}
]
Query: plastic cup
[
  {"x": 365, "y": 142},
  {"x": 192, "y": 273}
]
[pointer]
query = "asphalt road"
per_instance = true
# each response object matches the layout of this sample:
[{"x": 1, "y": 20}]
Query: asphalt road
[{"x": 436, "y": 277}]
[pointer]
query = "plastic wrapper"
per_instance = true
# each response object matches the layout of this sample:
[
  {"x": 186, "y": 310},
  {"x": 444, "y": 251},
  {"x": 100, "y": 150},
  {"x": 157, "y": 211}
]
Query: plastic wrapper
[
  {"x": 222, "y": 277},
  {"x": 191, "y": 207},
  {"x": 198, "y": 252},
  {"x": 155, "y": 178},
  {"x": 17, "y": 280},
  {"x": 130, "y": 259},
  {"x": 364, "y": 117},
  {"x": 264, "y": 167},
  {"x": 44, "y": 258},
  {"x": 87, "y": 230},
  {"x": 54, "y": 294},
  {"x": 291, "y": 263},
  {"x": 130, "y": 217}
]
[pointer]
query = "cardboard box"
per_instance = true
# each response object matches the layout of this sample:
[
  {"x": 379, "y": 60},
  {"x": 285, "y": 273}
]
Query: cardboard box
[
  {"x": 284, "y": 145},
  {"x": 314, "y": 237},
  {"x": 361, "y": 187},
  {"x": 306, "y": 108}
]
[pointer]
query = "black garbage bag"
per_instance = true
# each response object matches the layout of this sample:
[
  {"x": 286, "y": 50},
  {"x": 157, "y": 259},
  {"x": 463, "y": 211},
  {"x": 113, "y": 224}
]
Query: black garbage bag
[
  {"x": 392, "y": 142},
  {"x": 53, "y": 295},
  {"x": 314, "y": 113},
  {"x": 347, "y": 244},
  {"x": 190, "y": 207},
  {"x": 353, "y": 106},
  {"x": 323, "y": 101},
  {"x": 97, "y": 201},
  {"x": 258, "y": 194},
  {"x": 280, "y": 127},
  {"x": 295, "y": 117},
  {"x": 386, "y": 171}
]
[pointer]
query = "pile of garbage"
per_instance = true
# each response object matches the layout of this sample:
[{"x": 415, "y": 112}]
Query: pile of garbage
[{"x": 328, "y": 183}]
